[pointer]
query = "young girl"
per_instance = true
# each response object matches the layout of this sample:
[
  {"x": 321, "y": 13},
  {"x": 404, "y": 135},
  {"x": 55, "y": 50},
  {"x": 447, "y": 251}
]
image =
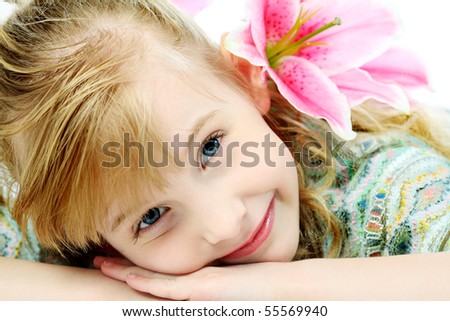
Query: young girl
[{"x": 124, "y": 126}]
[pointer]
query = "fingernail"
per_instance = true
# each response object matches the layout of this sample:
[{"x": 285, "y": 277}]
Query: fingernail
[
  {"x": 107, "y": 263},
  {"x": 131, "y": 276},
  {"x": 99, "y": 259}
]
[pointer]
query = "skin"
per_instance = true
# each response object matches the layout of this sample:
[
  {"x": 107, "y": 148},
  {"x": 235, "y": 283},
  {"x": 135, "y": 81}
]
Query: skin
[
  {"x": 402, "y": 277},
  {"x": 25, "y": 280},
  {"x": 221, "y": 209},
  {"x": 211, "y": 207},
  {"x": 266, "y": 275}
]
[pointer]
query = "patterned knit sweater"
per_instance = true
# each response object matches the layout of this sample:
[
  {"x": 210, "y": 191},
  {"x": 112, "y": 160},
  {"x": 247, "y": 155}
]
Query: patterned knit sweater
[
  {"x": 392, "y": 195},
  {"x": 12, "y": 244}
]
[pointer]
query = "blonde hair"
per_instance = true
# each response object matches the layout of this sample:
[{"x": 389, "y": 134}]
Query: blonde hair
[
  {"x": 66, "y": 88},
  {"x": 67, "y": 70}
]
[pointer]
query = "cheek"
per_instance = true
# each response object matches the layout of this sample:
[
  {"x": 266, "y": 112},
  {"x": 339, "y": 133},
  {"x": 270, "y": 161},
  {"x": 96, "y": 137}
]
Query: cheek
[
  {"x": 168, "y": 259},
  {"x": 278, "y": 165},
  {"x": 176, "y": 253}
]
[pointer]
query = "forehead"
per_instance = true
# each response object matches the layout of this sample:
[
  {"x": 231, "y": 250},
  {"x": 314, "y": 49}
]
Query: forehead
[
  {"x": 177, "y": 101},
  {"x": 176, "y": 106}
]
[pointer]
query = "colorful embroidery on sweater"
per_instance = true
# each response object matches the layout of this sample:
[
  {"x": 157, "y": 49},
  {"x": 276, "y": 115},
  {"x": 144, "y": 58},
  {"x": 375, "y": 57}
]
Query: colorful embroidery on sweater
[
  {"x": 395, "y": 199},
  {"x": 11, "y": 243}
]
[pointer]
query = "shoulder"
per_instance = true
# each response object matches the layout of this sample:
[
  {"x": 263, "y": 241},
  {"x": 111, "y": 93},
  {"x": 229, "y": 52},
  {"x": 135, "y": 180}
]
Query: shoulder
[
  {"x": 12, "y": 244},
  {"x": 396, "y": 199}
]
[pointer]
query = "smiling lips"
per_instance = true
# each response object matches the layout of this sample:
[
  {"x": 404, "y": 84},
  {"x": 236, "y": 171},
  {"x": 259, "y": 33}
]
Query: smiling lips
[{"x": 257, "y": 238}]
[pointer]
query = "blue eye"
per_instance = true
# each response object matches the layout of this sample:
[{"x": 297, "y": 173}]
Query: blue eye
[
  {"x": 210, "y": 148},
  {"x": 151, "y": 217}
]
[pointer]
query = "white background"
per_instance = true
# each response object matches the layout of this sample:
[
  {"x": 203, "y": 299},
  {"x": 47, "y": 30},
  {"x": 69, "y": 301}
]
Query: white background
[{"x": 426, "y": 31}]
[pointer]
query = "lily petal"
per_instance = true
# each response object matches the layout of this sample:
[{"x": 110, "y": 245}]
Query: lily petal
[
  {"x": 306, "y": 87},
  {"x": 192, "y": 7},
  {"x": 358, "y": 86},
  {"x": 240, "y": 43},
  {"x": 366, "y": 31},
  {"x": 398, "y": 66},
  {"x": 279, "y": 17},
  {"x": 256, "y": 11}
]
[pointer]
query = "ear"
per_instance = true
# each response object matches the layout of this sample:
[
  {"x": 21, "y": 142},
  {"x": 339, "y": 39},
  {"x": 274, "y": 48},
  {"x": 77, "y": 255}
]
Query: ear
[{"x": 260, "y": 93}]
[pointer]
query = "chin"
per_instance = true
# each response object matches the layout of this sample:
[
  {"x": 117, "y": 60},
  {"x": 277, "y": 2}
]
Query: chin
[
  {"x": 285, "y": 251},
  {"x": 285, "y": 255},
  {"x": 282, "y": 252}
]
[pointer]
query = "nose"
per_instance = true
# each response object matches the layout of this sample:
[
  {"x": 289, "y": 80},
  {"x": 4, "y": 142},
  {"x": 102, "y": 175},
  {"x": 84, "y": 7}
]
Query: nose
[{"x": 219, "y": 218}]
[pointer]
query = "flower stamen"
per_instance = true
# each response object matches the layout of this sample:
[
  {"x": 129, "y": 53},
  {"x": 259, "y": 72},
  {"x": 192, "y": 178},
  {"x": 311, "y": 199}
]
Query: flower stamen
[
  {"x": 287, "y": 46},
  {"x": 292, "y": 33}
]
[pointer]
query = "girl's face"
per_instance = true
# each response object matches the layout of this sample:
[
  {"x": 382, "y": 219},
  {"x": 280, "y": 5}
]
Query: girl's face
[{"x": 234, "y": 199}]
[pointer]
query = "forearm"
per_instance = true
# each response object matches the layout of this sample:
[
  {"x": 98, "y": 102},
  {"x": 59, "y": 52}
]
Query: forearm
[
  {"x": 22, "y": 280},
  {"x": 405, "y": 277}
]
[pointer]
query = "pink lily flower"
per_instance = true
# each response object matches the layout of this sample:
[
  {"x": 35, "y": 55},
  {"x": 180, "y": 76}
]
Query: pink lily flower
[
  {"x": 326, "y": 56},
  {"x": 192, "y": 7},
  {"x": 410, "y": 73}
]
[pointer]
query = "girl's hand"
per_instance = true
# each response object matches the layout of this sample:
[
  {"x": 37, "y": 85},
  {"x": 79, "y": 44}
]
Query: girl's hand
[
  {"x": 258, "y": 281},
  {"x": 402, "y": 277},
  {"x": 99, "y": 260}
]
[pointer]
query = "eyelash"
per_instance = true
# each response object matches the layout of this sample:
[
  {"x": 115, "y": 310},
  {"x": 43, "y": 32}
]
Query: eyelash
[
  {"x": 216, "y": 135},
  {"x": 137, "y": 231}
]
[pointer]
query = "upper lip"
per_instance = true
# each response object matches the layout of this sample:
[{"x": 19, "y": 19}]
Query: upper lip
[{"x": 255, "y": 232}]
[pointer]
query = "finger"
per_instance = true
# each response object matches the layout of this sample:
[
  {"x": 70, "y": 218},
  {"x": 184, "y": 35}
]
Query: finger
[
  {"x": 114, "y": 271},
  {"x": 120, "y": 272},
  {"x": 98, "y": 261},
  {"x": 172, "y": 288}
]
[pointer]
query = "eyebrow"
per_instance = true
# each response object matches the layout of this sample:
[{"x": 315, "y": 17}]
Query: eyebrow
[
  {"x": 198, "y": 126},
  {"x": 118, "y": 220},
  {"x": 202, "y": 121}
]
